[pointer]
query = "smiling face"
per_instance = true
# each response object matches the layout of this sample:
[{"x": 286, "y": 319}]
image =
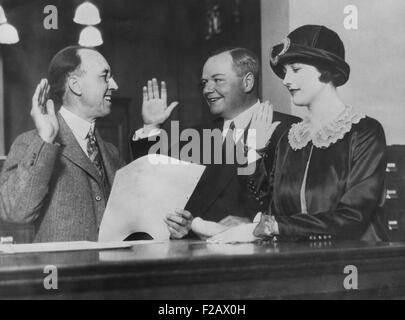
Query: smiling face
[
  {"x": 302, "y": 81},
  {"x": 222, "y": 87},
  {"x": 96, "y": 84}
]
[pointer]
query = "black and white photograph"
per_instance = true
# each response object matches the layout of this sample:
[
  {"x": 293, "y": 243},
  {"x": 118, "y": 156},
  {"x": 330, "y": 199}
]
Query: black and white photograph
[{"x": 202, "y": 153}]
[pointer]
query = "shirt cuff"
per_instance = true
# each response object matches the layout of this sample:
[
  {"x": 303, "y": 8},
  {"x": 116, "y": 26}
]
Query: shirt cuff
[{"x": 142, "y": 133}]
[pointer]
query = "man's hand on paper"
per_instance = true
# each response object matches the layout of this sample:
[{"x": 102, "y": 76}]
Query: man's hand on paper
[
  {"x": 179, "y": 223},
  {"x": 154, "y": 106}
]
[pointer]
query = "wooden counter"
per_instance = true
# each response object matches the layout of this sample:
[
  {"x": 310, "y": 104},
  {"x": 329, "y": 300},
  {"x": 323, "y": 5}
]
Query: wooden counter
[{"x": 196, "y": 270}]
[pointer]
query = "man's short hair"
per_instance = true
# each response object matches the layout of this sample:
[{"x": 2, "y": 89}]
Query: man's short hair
[
  {"x": 244, "y": 61},
  {"x": 62, "y": 65}
]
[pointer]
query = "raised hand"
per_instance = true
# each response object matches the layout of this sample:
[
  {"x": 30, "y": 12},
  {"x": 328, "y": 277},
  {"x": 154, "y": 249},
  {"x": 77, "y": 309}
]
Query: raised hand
[
  {"x": 43, "y": 113},
  {"x": 154, "y": 106},
  {"x": 261, "y": 127}
]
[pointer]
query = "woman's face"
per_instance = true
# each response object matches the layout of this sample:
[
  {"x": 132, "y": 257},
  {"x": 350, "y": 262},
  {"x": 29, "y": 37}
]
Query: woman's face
[{"x": 302, "y": 81}]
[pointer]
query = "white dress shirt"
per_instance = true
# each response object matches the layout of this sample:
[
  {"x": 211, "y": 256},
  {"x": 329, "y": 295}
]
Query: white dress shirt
[
  {"x": 241, "y": 122},
  {"x": 79, "y": 127}
]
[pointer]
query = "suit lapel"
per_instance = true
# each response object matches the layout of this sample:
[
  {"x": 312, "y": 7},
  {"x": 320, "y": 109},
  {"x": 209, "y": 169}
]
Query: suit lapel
[
  {"x": 73, "y": 151},
  {"x": 213, "y": 181},
  {"x": 110, "y": 162},
  {"x": 216, "y": 177},
  {"x": 219, "y": 176}
]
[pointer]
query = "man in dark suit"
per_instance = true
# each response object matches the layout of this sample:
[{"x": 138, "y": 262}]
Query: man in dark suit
[
  {"x": 230, "y": 87},
  {"x": 59, "y": 175}
]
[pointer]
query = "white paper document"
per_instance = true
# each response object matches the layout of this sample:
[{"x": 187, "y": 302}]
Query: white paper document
[
  {"x": 63, "y": 246},
  {"x": 144, "y": 192}
]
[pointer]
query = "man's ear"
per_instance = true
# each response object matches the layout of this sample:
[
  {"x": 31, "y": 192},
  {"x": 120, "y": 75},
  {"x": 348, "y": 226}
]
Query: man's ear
[
  {"x": 248, "y": 82},
  {"x": 74, "y": 85}
]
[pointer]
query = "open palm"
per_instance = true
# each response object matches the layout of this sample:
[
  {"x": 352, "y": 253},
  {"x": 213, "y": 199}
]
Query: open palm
[
  {"x": 154, "y": 106},
  {"x": 261, "y": 127},
  {"x": 43, "y": 113}
]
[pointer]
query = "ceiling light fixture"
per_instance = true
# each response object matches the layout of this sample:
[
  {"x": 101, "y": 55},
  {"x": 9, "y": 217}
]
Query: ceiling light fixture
[
  {"x": 90, "y": 37},
  {"x": 8, "y": 33},
  {"x": 87, "y": 14}
]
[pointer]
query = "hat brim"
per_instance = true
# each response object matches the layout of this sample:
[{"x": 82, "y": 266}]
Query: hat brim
[{"x": 308, "y": 55}]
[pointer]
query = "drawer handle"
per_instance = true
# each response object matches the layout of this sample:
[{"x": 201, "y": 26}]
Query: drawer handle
[
  {"x": 393, "y": 225},
  {"x": 392, "y": 194},
  {"x": 391, "y": 167}
]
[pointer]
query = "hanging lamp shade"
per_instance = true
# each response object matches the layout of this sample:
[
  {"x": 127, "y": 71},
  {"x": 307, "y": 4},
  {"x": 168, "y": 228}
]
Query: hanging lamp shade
[
  {"x": 3, "y": 18},
  {"x": 8, "y": 34},
  {"x": 87, "y": 14},
  {"x": 90, "y": 37}
]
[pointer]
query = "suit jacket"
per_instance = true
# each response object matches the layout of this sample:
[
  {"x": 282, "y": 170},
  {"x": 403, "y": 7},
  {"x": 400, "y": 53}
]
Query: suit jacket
[
  {"x": 221, "y": 191},
  {"x": 56, "y": 186}
]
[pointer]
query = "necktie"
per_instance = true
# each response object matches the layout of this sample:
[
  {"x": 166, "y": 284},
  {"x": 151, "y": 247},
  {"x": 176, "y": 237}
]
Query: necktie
[
  {"x": 228, "y": 146},
  {"x": 93, "y": 152},
  {"x": 231, "y": 133}
]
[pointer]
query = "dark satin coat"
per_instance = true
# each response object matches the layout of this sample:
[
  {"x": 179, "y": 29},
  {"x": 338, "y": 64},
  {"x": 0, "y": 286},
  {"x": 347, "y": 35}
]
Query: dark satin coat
[{"x": 344, "y": 188}]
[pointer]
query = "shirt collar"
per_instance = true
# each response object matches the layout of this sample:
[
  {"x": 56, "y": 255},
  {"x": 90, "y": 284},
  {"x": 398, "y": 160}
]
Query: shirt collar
[
  {"x": 79, "y": 126},
  {"x": 242, "y": 120}
]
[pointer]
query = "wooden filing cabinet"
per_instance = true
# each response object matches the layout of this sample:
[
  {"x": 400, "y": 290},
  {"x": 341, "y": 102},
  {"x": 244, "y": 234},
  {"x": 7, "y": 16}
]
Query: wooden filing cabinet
[{"x": 394, "y": 206}]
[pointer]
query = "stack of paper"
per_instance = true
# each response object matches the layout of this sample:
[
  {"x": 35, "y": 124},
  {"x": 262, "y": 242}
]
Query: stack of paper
[{"x": 62, "y": 246}]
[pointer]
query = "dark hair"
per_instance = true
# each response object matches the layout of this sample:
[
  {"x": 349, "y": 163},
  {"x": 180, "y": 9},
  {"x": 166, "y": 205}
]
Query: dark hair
[
  {"x": 327, "y": 71},
  {"x": 244, "y": 61},
  {"x": 62, "y": 65},
  {"x": 329, "y": 74}
]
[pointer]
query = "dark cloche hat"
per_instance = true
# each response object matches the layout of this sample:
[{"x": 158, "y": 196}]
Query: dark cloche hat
[{"x": 311, "y": 44}]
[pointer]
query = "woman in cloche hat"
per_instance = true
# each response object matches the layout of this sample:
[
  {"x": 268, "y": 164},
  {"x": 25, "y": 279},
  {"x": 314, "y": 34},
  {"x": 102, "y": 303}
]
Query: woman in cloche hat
[{"x": 328, "y": 177}]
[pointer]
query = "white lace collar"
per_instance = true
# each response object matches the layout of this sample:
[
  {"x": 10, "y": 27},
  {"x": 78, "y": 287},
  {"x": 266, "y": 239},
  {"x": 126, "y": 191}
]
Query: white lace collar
[{"x": 300, "y": 133}]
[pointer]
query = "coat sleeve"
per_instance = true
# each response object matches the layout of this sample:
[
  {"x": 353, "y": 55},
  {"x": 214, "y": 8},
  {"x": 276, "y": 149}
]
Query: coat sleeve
[
  {"x": 141, "y": 147},
  {"x": 25, "y": 178},
  {"x": 363, "y": 194}
]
